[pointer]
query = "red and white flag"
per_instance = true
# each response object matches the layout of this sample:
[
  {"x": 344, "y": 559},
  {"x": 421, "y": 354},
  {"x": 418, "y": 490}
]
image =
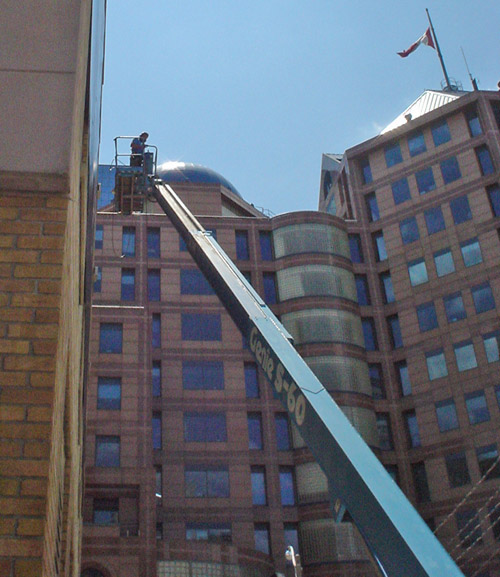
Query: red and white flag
[{"x": 426, "y": 39}]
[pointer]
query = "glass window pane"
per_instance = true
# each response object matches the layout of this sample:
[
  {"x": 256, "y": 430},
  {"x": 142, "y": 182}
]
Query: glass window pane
[
  {"x": 403, "y": 377},
  {"x": 128, "y": 284},
  {"x": 491, "y": 346},
  {"x": 372, "y": 207},
  {"x": 485, "y": 161},
  {"x": 128, "y": 241},
  {"x": 434, "y": 220},
  {"x": 436, "y": 364},
  {"x": 444, "y": 263},
  {"x": 156, "y": 378},
  {"x": 450, "y": 170},
  {"x": 427, "y": 317},
  {"x": 370, "y": 334},
  {"x": 153, "y": 242},
  {"x": 270, "y": 291},
  {"x": 156, "y": 428},
  {"x": 156, "y": 330},
  {"x": 460, "y": 209},
  {"x": 205, "y": 427},
  {"x": 494, "y": 197},
  {"x": 416, "y": 144},
  {"x": 287, "y": 487},
  {"x": 193, "y": 282},
  {"x": 251, "y": 381},
  {"x": 99, "y": 236},
  {"x": 384, "y": 432},
  {"x": 154, "y": 285},
  {"x": 425, "y": 180},
  {"x": 203, "y": 375},
  {"x": 465, "y": 356},
  {"x": 379, "y": 244},
  {"x": 355, "y": 248},
  {"x": 107, "y": 451},
  {"x": 487, "y": 458},
  {"x": 387, "y": 288},
  {"x": 255, "y": 431},
  {"x": 454, "y": 307},
  {"x": 366, "y": 171},
  {"x": 258, "y": 483},
  {"x": 469, "y": 528},
  {"x": 376, "y": 380},
  {"x": 266, "y": 248},
  {"x": 417, "y": 272},
  {"x": 362, "y": 290},
  {"x": 283, "y": 440},
  {"x": 262, "y": 539},
  {"x": 471, "y": 252},
  {"x": 393, "y": 155},
  {"x": 97, "y": 279},
  {"x": 458, "y": 473},
  {"x": 109, "y": 393},
  {"x": 201, "y": 327},
  {"x": 420, "y": 483},
  {"x": 477, "y": 408},
  {"x": 395, "y": 331},
  {"x": 447, "y": 415},
  {"x": 242, "y": 249},
  {"x": 473, "y": 122},
  {"x": 111, "y": 338},
  {"x": 409, "y": 230},
  {"x": 482, "y": 296},
  {"x": 412, "y": 431},
  {"x": 441, "y": 132}
]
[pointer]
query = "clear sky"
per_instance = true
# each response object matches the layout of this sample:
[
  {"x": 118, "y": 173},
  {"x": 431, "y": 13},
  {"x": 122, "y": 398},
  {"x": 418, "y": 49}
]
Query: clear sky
[{"x": 258, "y": 89}]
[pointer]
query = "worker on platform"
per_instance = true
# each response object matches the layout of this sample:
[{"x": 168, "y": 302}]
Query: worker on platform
[{"x": 137, "y": 147}]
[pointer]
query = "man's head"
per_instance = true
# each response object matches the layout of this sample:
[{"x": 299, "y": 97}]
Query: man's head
[{"x": 144, "y": 136}]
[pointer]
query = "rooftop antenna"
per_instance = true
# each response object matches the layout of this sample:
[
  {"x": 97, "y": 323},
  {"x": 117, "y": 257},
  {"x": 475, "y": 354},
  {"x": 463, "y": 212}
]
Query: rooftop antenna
[
  {"x": 449, "y": 87},
  {"x": 472, "y": 79}
]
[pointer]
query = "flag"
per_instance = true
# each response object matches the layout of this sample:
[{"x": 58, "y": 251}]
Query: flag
[{"x": 426, "y": 39}]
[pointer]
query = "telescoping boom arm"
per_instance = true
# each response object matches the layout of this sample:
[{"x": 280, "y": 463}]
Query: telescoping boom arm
[{"x": 399, "y": 540}]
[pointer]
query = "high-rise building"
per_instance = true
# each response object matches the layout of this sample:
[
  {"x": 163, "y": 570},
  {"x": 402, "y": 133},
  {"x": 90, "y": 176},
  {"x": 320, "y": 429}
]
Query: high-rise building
[{"x": 390, "y": 293}]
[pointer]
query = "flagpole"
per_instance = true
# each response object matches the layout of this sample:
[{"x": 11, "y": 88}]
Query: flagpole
[{"x": 446, "y": 77}]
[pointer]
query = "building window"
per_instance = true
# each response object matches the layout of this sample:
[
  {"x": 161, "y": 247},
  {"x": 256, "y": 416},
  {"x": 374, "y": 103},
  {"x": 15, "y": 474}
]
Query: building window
[
  {"x": 153, "y": 242},
  {"x": 287, "y": 486},
  {"x": 156, "y": 331},
  {"x": 436, "y": 364},
  {"x": 393, "y": 155},
  {"x": 419, "y": 474},
  {"x": 99, "y": 236},
  {"x": 128, "y": 284},
  {"x": 242, "y": 248},
  {"x": 493, "y": 192},
  {"x": 205, "y": 427},
  {"x": 266, "y": 246},
  {"x": 412, "y": 432},
  {"x": 403, "y": 376},
  {"x": 158, "y": 483},
  {"x": 110, "y": 338},
  {"x": 379, "y": 246},
  {"x": 460, "y": 209},
  {"x": 377, "y": 380},
  {"x": 416, "y": 144},
  {"x": 366, "y": 171},
  {"x": 105, "y": 512},
  {"x": 291, "y": 535},
  {"x": 252, "y": 388},
  {"x": 440, "y": 133},
  {"x": 182, "y": 245},
  {"x": 471, "y": 252},
  {"x": 262, "y": 538},
  {"x": 384, "y": 431},
  {"x": 156, "y": 428},
  {"x": 477, "y": 409},
  {"x": 469, "y": 528},
  {"x": 370, "y": 334},
  {"x": 270, "y": 290},
  {"x": 387, "y": 288},
  {"x": 193, "y": 282},
  {"x": 372, "y": 207},
  {"x": 255, "y": 440},
  {"x": 156, "y": 378},
  {"x": 458, "y": 473},
  {"x": 487, "y": 459},
  {"x": 283, "y": 439},
  {"x": 473, "y": 122},
  {"x": 454, "y": 307},
  {"x": 395, "y": 331},
  {"x": 258, "y": 484},
  {"x": 409, "y": 230},
  {"x": 107, "y": 451},
  {"x": 201, "y": 327},
  {"x": 446, "y": 413},
  {"x": 203, "y": 375},
  {"x": 491, "y": 346},
  {"x": 483, "y": 298},
  {"x": 425, "y": 180},
  {"x": 484, "y": 160},
  {"x": 417, "y": 271},
  {"x": 355, "y": 248},
  {"x": 465, "y": 356},
  {"x": 154, "y": 285},
  {"x": 450, "y": 170},
  {"x": 427, "y": 317},
  {"x": 109, "y": 392},
  {"x": 128, "y": 241},
  {"x": 362, "y": 290},
  {"x": 434, "y": 220},
  {"x": 97, "y": 279},
  {"x": 159, "y": 530},
  {"x": 202, "y": 481},
  {"x": 443, "y": 260},
  {"x": 211, "y": 532}
]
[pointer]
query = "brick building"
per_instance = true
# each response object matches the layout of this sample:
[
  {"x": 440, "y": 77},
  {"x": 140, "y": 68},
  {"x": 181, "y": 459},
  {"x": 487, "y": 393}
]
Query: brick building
[
  {"x": 50, "y": 101},
  {"x": 390, "y": 293}
]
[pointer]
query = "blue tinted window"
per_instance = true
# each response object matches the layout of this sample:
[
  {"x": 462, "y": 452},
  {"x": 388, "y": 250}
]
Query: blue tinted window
[
  {"x": 128, "y": 284},
  {"x": 454, "y": 307},
  {"x": 98, "y": 279},
  {"x": 270, "y": 292},
  {"x": 376, "y": 380},
  {"x": 474, "y": 124},
  {"x": 409, "y": 230},
  {"x": 443, "y": 260},
  {"x": 201, "y": 481},
  {"x": 395, "y": 331},
  {"x": 412, "y": 429},
  {"x": 419, "y": 474},
  {"x": 366, "y": 171},
  {"x": 400, "y": 191},
  {"x": 416, "y": 144},
  {"x": 362, "y": 289},
  {"x": 201, "y": 327},
  {"x": 487, "y": 459},
  {"x": 156, "y": 331},
  {"x": 447, "y": 417},
  {"x": 156, "y": 378},
  {"x": 427, "y": 318},
  {"x": 450, "y": 170},
  {"x": 107, "y": 451},
  {"x": 154, "y": 285},
  {"x": 425, "y": 180},
  {"x": 262, "y": 538},
  {"x": 393, "y": 155},
  {"x": 477, "y": 409},
  {"x": 387, "y": 288},
  {"x": 242, "y": 251},
  {"x": 434, "y": 220},
  {"x": 465, "y": 356},
  {"x": 384, "y": 432},
  {"x": 266, "y": 248},
  {"x": 258, "y": 483},
  {"x": 109, "y": 393},
  {"x": 460, "y": 209},
  {"x": 105, "y": 513},
  {"x": 291, "y": 535},
  {"x": 370, "y": 334},
  {"x": 441, "y": 133},
  {"x": 458, "y": 473},
  {"x": 356, "y": 248},
  {"x": 372, "y": 207},
  {"x": 128, "y": 241},
  {"x": 252, "y": 389},
  {"x": 436, "y": 364},
  {"x": 111, "y": 338},
  {"x": 153, "y": 242},
  {"x": 485, "y": 161},
  {"x": 193, "y": 282},
  {"x": 471, "y": 252},
  {"x": 417, "y": 271},
  {"x": 205, "y": 427},
  {"x": 255, "y": 431},
  {"x": 283, "y": 441},
  {"x": 203, "y": 375},
  {"x": 492, "y": 346},
  {"x": 494, "y": 197},
  {"x": 211, "y": 532},
  {"x": 287, "y": 486},
  {"x": 156, "y": 429},
  {"x": 182, "y": 244},
  {"x": 403, "y": 376},
  {"x": 379, "y": 245},
  {"x": 99, "y": 236},
  {"x": 482, "y": 296}
]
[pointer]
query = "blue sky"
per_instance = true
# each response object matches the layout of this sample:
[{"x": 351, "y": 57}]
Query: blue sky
[{"x": 258, "y": 90}]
